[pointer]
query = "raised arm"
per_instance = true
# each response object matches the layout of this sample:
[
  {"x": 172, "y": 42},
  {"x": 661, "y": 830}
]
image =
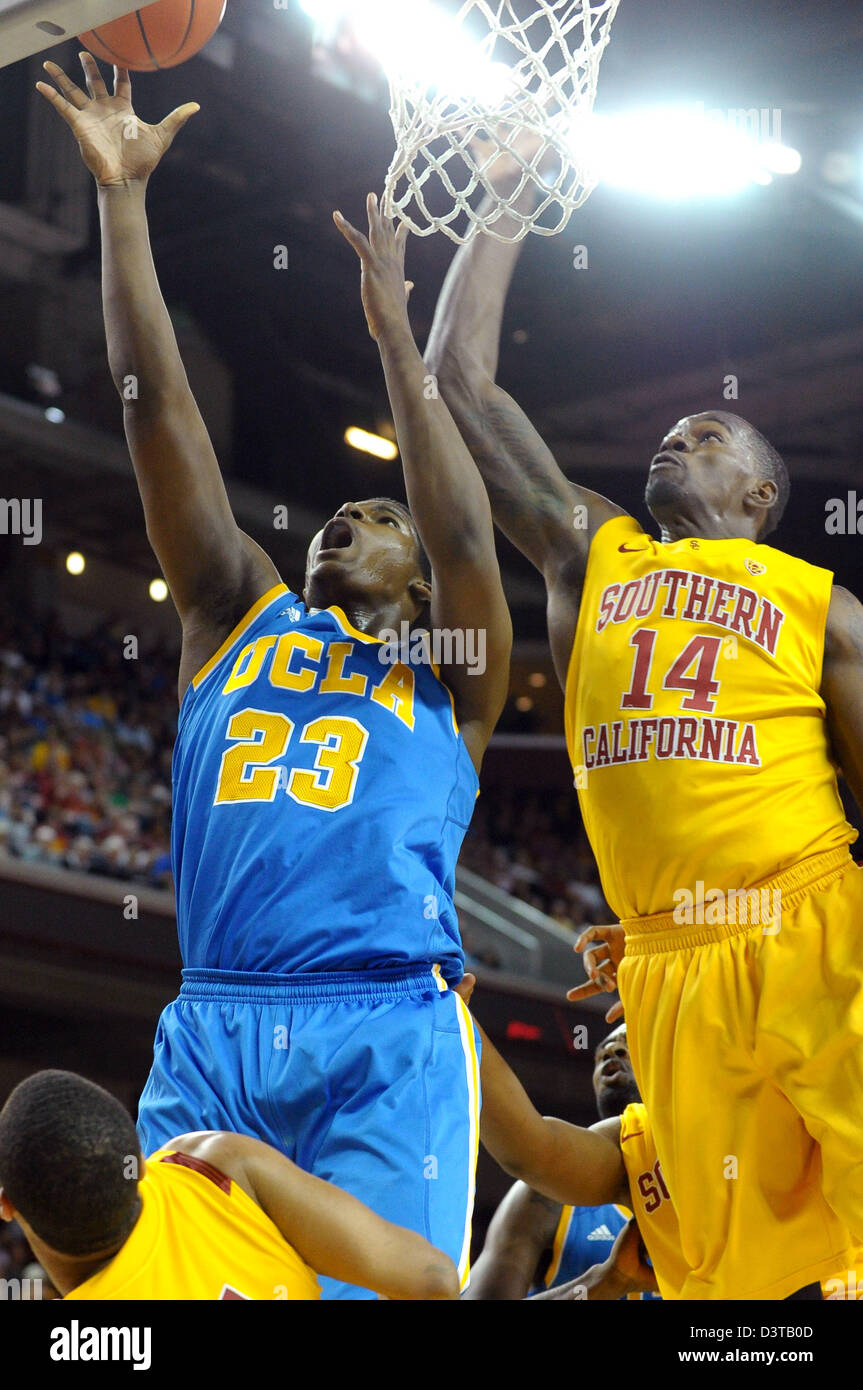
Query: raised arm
[
  {"x": 215, "y": 572},
  {"x": 447, "y": 499},
  {"x": 842, "y": 686},
  {"x": 533, "y": 502},
  {"x": 334, "y": 1233}
]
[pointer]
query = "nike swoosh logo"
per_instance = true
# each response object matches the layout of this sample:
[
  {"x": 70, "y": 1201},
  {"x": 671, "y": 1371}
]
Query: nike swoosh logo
[{"x": 631, "y": 549}]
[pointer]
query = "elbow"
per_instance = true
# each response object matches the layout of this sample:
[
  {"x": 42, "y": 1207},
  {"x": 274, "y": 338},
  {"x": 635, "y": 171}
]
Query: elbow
[{"x": 441, "y": 1281}]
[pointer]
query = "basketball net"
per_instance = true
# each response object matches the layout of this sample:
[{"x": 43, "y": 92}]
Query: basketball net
[{"x": 530, "y": 83}]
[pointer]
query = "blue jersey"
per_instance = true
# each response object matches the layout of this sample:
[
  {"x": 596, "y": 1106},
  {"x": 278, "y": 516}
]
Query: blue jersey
[
  {"x": 321, "y": 796},
  {"x": 584, "y": 1237}
]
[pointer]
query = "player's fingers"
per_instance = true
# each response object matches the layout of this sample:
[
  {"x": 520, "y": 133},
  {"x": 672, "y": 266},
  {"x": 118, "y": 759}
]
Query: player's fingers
[
  {"x": 73, "y": 94},
  {"x": 374, "y": 220},
  {"x": 614, "y": 1013},
  {"x": 122, "y": 84},
  {"x": 176, "y": 119},
  {"x": 58, "y": 101},
  {"x": 357, "y": 240},
  {"x": 401, "y": 240},
  {"x": 597, "y": 960},
  {"x": 590, "y": 934},
  {"x": 93, "y": 77},
  {"x": 584, "y": 991}
]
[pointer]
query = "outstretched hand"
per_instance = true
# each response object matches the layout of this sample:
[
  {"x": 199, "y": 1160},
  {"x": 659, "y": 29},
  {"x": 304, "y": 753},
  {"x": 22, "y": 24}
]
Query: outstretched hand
[
  {"x": 600, "y": 964},
  {"x": 116, "y": 147},
  {"x": 382, "y": 253}
]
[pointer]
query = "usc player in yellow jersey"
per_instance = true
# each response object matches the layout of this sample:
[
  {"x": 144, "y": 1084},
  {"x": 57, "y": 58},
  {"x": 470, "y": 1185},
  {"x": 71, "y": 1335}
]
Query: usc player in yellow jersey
[
  {"x": 712, "y": 685},
  {"x": 614, "y": 1161},
  {"x": 210, "y": 1216}
]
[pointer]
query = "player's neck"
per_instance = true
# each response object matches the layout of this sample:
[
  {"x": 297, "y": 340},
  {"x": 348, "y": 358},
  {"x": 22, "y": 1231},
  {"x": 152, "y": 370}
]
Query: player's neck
[
  {"x": 66, "y": 1272},
  {"x": 709, "y": 528},
  {"x": 372, "y": 618}
]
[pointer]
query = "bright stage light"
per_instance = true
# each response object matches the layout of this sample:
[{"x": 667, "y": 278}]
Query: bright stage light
[
  {"x": 75, "y": 562},
  {"x": 371, "y": 443},
  {"x": 158, "y": 590},
  {"x": 679, "y": 153},
  {"x": 420, "y": 41}
]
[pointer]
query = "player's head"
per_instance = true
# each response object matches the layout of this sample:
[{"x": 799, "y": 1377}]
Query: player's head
[
  {"x": 69, "y": 1165},
  {"x": 614, "y": 1082},
  {"x": 716, "y": 473},
  {"x": 370, "y": 555}
]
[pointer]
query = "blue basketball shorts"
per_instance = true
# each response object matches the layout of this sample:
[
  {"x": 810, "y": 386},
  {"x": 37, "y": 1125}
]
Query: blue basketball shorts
[{"x": 369, "y": 1080}]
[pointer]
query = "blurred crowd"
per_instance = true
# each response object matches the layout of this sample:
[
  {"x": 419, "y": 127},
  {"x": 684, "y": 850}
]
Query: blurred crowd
[
  {"x": 86, "y": 734},
  {"x": 85, "y": 750},
  {"x": 532, "y": 844},
  {"x": 21, "y": 1277}
]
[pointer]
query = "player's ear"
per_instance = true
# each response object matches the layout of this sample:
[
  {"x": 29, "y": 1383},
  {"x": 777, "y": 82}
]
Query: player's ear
[
  {"x": 420, "y": 591},
  {"x": 760, "y": 497},
  {"x": 763, "y": 493}
]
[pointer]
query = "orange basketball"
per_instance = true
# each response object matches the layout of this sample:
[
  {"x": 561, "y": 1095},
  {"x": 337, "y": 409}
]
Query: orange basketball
[{"x": 156, "y": 36}]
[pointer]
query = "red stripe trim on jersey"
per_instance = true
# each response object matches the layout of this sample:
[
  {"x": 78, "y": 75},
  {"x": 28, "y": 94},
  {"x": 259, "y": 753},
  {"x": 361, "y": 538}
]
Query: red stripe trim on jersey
[{"x": 199, "y": 1166}]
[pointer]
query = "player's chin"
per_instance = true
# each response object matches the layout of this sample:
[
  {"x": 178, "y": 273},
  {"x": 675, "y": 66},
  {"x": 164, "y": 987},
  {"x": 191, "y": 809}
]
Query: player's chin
[{"x": 663, "y": 490}]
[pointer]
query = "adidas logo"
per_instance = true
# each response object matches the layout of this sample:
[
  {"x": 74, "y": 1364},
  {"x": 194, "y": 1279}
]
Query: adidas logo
[
  {"x": 293, "y": 613},
  {"x": 601, "y": 1233}
]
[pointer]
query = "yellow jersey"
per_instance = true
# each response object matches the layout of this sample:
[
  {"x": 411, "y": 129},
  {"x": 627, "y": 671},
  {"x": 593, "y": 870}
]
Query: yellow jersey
[
  {"x": 657, "y": 1217},
  {"x": 847, "y": 1284},
  {"x": 199, "y": 1236},
  {"x": 693, "y": 717},
  {"x": 651, "y": 1201}
]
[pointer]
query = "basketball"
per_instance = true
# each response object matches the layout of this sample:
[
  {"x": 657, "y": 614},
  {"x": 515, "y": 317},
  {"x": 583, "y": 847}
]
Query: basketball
[{"x": 156, "y": 36}]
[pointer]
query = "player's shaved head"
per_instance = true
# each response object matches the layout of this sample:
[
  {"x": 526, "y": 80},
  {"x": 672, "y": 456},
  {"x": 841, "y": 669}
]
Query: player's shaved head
[
  {"x": 769, "y": 465},
  {"x": 69, "y": 1162},
  {"x": 715, "y": 475}
]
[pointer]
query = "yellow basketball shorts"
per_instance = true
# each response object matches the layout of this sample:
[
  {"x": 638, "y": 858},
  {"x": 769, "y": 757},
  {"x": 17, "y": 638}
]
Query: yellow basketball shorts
[{"x": 747, "y": 1044}]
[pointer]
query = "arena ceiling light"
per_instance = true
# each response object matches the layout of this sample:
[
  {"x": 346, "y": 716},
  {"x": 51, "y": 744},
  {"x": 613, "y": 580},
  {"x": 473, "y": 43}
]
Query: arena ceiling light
[
  {"x": 75, "y": 562},
  {"x": 417, "y": 39},
  {"x": 680, "y": 153},
  {"x": 371, "y": 443},
  {"x": 158, "y": 590}
]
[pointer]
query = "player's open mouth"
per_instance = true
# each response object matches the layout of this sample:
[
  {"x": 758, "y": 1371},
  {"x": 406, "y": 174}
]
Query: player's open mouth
[
  {"x": 611, "y": 1070},
  {"x": 337, "y": 535},
  {"x": 662, "y": 459}
]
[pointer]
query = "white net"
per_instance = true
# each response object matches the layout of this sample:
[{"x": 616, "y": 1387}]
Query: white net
[{"x": 502, "y": 115}]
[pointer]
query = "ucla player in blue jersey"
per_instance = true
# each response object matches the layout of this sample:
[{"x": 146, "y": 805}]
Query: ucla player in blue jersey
[
  {"x": 321, "y": 788},
  {"x": 536, "y": 1247}
]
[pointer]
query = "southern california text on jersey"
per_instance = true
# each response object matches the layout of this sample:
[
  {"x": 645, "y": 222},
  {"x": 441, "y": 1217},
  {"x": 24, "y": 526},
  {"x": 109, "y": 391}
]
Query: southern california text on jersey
[{"x": 694, "y": 721}]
